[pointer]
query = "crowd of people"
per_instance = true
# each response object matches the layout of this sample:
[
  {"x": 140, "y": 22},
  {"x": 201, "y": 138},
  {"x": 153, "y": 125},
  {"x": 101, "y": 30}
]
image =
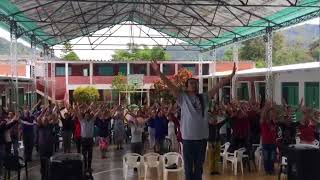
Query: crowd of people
[{"x": 188, "y": 123}]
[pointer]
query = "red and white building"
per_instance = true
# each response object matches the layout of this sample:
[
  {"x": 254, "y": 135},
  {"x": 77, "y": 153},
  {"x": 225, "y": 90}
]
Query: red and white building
[{"x": 72, "y": 74}]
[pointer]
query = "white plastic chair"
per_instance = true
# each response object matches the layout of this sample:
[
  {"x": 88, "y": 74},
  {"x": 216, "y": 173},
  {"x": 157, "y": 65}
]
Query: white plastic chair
[
  {"x": 283, "y": 166},
  {"x": 316, "y": 143},
  {"x": 152, "y": 160},
  {"x": 170, "y": 159},
  {"x": 235, "y": 158},
  {"x": 181, "y": 148},
  {"x": 224, "y": 153},
  {"x": 130, "y": 160}
]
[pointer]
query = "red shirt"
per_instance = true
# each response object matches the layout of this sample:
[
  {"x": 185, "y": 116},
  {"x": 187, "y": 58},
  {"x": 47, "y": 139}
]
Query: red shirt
[
  {"x": 307, "y": 132},
  {"x": 241, "y": 127},
  {"x": 268, "y": 133},
  {"x": 77, "y": 129}
]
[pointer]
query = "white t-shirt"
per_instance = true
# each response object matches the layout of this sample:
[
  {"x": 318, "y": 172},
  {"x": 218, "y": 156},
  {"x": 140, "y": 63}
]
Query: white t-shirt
[
  {"x": 171, "y": 129},
  {"x": 136, "y": 133},
  {"x": 194, "y": 122}
]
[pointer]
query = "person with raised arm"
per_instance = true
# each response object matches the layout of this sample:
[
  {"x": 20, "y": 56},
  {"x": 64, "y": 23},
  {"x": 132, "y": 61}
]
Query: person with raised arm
[
  {"x": 194, "y": 120},
  {"x": 87, "y": 120},
  {"x": 67, "y": 129},
  {"x": 119, "y": 127},
  {"x": 269, "y": 137},
  {"x": 46, "y": 122},
  {"x": 307, "y": 126}
]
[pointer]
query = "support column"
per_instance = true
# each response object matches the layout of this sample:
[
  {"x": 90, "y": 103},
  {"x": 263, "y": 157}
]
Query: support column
[
  {"x": 128, "y": 68},
  {"x": 234, "y": 79},
  {"x": 148, "y": 97},
  {"x": 66, "y": 76},
  {"x": 14, "y": 66},
  {"x": 32, "y": 64},
  {"x": 53, "y": 75},
  {"x": 161, "y": 67},
  {"x": 176, "y": 68},
  {"x": 200, "y": 88},
  {"x": 148, "y": 69},
  {"x": 91, "y": 72},
  {"x": 213, "y": 68},
  {"x": 46, "y": 58},
  {"x": 269, "y": 81}
]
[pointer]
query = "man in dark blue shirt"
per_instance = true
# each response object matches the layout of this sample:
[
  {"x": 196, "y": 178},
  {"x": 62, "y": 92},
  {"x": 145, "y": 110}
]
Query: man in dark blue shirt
[{"x": 161, "y": 130}]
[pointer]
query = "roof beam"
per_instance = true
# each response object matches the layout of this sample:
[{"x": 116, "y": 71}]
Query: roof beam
[
  {"x": 190, "y": 15},
  {"x": 32, "y": 8},
  {"x": 73, "y": 17},
  {"x": 208, "y": 3},
  {"x": 223, "y": 3},
  {"x": 73, "y": 30}
]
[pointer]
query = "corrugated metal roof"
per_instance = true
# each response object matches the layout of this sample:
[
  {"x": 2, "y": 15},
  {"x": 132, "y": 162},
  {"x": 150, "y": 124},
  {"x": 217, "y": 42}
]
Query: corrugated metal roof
[{"x": 200, "y": 23}]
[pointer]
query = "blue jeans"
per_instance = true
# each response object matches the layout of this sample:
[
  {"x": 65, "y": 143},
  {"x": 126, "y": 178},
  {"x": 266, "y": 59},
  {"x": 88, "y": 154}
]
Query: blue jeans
[
  {"x": 269, "y": 156},
  {"x": 194, "y": 153}
]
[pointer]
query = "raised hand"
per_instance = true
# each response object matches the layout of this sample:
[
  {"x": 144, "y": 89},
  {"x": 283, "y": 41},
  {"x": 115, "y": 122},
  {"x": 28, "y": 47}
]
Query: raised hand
[{"x": 234, "y": 69}]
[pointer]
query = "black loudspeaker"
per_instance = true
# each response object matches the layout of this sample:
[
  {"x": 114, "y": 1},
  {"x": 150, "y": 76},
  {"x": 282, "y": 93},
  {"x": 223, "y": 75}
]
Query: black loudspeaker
[
  {"x": 68, "y": 166},
  {"x": 303, "y": 162}
]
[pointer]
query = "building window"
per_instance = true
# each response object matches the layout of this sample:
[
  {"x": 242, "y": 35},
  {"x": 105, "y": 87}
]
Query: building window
[
  {"x": 167, "y": 69},
  {"x": 60, "y": 71},
  {"x": 190, "y": 67},
  {"x": 205, "y": 69},
  {"x": 290, "y": 93},
  {"x": 243, "y": 92},
  {"x": 105, "y": 71},
  {"x": 86, "y": 72},
  {"x": 123, "y": 69},
  {"x": 311, "y": 94}
]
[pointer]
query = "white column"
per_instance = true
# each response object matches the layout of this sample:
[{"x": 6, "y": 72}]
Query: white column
[
  {"x": 161, "y": 67},
  {"x": 176, "y": 68},
  {"x": 269, "y": 81},
  {"x": 46, "y": 79},
  {"x": 32, "y": 63},
  {"x": 148, "y": 69},
  {"x": 148, "y": 97},
  {"x": 213, "y": 70},
  {"x": 53, "y": 76},
  {"x": 200, "y": 74},
  {"x": 91, "y": 72},
  {"x": 14, "y": 65},
  {"x": 66, "y": 75},
  {"x": 128, "y": 68}
]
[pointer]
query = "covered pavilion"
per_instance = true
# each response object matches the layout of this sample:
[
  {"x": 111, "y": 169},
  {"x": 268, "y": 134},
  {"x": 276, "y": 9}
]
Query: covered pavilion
[
  {"x": 207, "y": 25},
  {"x": 204, "y": 24}
]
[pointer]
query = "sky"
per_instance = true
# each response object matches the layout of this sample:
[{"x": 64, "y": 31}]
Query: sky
[{"x": 118, "y": 30}]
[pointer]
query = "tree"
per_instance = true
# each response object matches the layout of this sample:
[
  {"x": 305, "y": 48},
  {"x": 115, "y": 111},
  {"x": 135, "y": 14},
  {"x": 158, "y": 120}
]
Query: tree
[
  {"x": 120, "y": 83},
  {"x": 162, "y": 91},
  {"x": 86, "y": 94},
  {"x": 283, "y": 53},
  {"x": 314, "y": 49},
  {"x": 253, "y": 50},
  {"x": 68, "y": 54},
  {"x": 136, "y": 52},
  {"x": 228, "y": 54},
  {"x": 71, "y": 56}
]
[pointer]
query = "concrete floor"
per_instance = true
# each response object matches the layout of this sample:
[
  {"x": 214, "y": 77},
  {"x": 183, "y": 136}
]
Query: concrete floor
[{"x": 111, "y": 169}]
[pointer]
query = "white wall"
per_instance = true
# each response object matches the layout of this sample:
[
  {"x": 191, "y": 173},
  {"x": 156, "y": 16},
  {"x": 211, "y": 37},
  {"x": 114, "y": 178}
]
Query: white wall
[{"x": 300, "y": 76}]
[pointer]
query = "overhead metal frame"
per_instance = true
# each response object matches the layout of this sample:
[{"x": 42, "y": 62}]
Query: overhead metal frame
[
  {"x": 14, "y": 66},
  {"x": 165, "y": 16}
]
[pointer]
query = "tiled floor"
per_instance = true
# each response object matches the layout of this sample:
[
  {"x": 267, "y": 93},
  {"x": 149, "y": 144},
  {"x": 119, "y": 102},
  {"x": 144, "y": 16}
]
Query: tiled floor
[{"x": 111, "y": 169}]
